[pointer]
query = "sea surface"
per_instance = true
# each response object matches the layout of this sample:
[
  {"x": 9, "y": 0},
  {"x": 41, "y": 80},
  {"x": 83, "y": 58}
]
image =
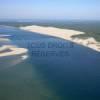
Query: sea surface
[{"x": 55, "y": 69}]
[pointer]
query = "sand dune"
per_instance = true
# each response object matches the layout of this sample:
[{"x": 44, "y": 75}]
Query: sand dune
[{"x": 65, "y": 34}]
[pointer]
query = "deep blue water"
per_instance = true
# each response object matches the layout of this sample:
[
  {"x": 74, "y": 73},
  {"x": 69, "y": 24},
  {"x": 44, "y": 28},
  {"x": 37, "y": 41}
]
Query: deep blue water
[{"x": 56, "y": 69}]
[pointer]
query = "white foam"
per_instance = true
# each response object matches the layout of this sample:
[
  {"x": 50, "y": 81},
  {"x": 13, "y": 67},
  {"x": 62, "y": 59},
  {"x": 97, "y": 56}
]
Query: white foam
[
  {"x": 24, "y": 57},
  {"x": 2, "y": 35}
]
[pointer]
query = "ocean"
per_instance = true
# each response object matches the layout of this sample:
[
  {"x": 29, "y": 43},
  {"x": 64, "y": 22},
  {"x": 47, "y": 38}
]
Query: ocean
[{"x": 55, "y": 69}]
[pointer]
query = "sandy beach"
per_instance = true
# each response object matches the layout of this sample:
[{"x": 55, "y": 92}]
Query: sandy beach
[
  {"x": 65, "y": 34},
  {"x": 10, "y": 50},
  {"x": 13, "y": 50}
]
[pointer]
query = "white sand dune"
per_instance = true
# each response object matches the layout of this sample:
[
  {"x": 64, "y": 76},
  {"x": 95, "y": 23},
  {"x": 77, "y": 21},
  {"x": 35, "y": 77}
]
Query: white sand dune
[{"x": 64, "y": 34}]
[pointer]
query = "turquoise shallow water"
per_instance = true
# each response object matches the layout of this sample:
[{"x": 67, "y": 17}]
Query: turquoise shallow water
[{"x": 55, "y": 69}]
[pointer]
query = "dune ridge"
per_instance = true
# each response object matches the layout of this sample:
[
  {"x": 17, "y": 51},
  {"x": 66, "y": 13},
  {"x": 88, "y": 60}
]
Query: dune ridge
[{"x": 65, "y": 34}]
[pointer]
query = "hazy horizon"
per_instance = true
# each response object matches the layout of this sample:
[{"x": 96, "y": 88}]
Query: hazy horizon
[{"x": 50, "y": 9}]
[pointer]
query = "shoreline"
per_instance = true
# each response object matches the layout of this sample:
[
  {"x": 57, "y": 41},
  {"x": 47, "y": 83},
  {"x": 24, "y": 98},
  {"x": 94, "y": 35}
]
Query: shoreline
[
  {"x": 10, "y": 54},
  {"x": 66, "y": 34},
  {"x": 9, "y": 49},
  {"x": 13, "y": 50}
]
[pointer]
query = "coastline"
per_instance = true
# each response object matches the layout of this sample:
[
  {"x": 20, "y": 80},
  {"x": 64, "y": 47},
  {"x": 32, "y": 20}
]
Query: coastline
[
  {"x": 10, "y": 54},
  {"x": 9, "y": 49},
  {"x": 13, "y": 50},
  {"x": 64, "y": 34}
]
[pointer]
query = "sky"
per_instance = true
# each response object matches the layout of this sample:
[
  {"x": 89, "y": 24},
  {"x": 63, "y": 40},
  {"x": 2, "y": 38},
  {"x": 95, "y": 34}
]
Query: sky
[{"x": 50, "y": 9}]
